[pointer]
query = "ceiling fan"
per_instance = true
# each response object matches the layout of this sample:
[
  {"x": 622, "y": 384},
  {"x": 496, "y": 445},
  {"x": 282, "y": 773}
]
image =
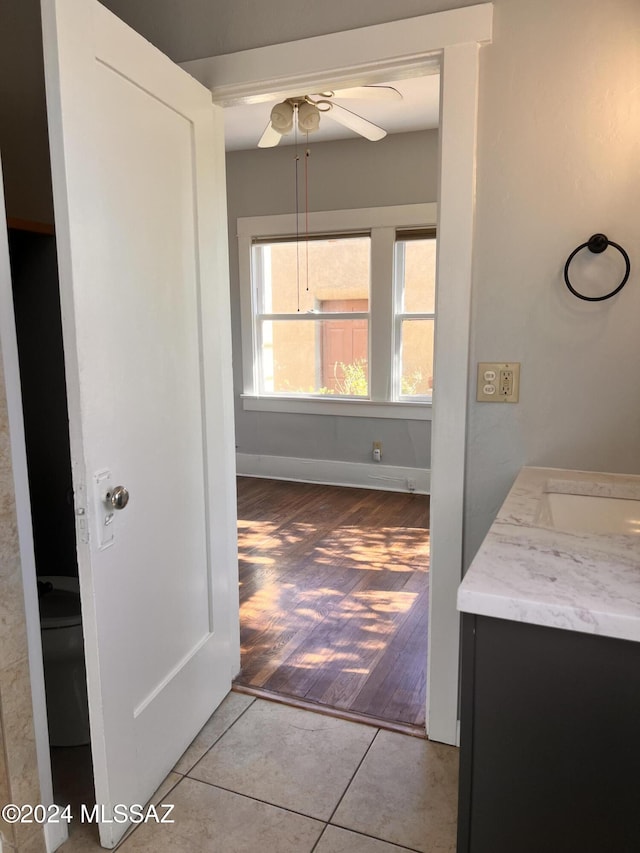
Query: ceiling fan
[{"x": 304, "y": 111}]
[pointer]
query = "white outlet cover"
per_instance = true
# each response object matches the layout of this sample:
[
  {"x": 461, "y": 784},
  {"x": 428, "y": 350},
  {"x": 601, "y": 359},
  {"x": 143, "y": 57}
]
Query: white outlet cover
[{"x": 489, "y": 391}]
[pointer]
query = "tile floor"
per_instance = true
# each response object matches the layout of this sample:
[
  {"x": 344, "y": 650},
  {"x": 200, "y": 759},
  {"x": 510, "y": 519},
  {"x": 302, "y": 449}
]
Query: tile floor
[{"x": 262, "y": 777}]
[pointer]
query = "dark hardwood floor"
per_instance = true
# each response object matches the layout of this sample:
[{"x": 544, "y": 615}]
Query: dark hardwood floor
[{"x": 334, "y": 596}]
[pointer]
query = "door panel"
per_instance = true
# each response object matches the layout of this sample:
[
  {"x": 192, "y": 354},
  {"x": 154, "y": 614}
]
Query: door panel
[
  {"x": 343, "y": 341},
  {"x": 138, "y": 169}
]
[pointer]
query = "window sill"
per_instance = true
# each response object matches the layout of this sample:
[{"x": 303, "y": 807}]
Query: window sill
[{"x": 342, "y": 408}]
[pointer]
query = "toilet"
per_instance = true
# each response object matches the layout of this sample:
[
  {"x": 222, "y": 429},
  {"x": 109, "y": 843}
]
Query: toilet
[{"x": 63, "y": 657}]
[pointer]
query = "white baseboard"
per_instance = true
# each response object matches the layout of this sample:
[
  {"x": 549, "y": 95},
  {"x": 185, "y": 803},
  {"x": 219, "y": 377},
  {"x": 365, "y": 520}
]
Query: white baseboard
[
  {"x": 364, "y": 475},
  {"x": 55, "y": 834}
]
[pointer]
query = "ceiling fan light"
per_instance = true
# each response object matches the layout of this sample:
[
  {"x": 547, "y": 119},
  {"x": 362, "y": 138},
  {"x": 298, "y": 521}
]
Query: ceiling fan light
[
  {"x": 308, "y": 117},
  {"x": 282, "y": 117}
]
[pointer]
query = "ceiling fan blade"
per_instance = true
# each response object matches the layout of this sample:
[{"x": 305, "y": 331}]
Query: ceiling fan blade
[
  {"x": 355, "y": 122},
  {"x": 369, "y": 93},
  {"x": 269, "y": 138}
]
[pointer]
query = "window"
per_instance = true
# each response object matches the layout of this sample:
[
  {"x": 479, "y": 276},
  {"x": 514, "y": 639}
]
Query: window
[
  {"x": 340, "y": 319},
  {"x": 415, "y": 300},
  {"x": 312, "y": 315}
]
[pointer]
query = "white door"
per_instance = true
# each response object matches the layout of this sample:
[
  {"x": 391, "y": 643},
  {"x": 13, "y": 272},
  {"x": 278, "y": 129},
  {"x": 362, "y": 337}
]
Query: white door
[{"x": 139, "y": 188}]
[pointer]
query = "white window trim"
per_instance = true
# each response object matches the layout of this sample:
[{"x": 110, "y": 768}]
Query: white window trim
[
  {"x": 382, "y": 222},
  {"x": 344, "y": 407}
]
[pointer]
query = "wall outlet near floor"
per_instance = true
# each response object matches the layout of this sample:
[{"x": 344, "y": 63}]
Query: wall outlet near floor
[
  {"x": 498, "y": 382},
  {"x": 377, "y": 451}
]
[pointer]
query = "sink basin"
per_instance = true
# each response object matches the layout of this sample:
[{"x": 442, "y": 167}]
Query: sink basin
[{"x": 589, "y": 513}]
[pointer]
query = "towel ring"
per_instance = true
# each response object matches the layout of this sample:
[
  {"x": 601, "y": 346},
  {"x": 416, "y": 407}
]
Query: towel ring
[{"x": 597, "y": 244}]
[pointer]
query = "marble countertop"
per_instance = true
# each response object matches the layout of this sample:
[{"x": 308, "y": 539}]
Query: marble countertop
[{"x": 526, "y": 572}]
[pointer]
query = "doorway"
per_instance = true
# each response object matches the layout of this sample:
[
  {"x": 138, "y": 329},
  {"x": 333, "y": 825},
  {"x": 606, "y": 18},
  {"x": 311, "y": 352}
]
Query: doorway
[
  {"x": 36, "y": 304},
  {"x": 208, "y": 646},
  {"x": 449, "y": 41},
  {"x": 345, "y": 428}
]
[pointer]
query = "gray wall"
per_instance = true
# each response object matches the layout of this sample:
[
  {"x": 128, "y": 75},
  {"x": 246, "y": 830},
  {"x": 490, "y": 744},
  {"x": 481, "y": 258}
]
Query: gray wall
[
  {"x": 401, "y": 169},
  {"x": 558, "y": 159}
]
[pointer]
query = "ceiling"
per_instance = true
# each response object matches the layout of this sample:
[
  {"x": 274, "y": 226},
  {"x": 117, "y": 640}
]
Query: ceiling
[{"x": 418, "y": 110}]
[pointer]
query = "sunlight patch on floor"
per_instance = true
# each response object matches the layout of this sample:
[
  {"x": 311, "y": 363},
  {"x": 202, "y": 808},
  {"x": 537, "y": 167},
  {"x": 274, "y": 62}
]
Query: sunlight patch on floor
[{"x": 334, "y": 597}]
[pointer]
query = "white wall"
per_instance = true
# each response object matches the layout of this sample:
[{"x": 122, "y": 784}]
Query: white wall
[{"x": 401, "y": 169}]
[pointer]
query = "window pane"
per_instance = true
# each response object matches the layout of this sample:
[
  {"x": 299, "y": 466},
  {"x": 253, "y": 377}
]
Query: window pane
[
  {"x": 419, "y": 291},
  {"x": 314, "y": 275},
  {"x": 315, "y": 357},
  {"x": 416, "y": 371}
]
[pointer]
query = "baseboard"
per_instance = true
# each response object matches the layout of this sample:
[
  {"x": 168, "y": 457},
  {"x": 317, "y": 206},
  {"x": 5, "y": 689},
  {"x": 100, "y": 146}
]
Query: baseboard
[
  {"x": 55, "y": 834},
  {"x": 363, "y": 475}
]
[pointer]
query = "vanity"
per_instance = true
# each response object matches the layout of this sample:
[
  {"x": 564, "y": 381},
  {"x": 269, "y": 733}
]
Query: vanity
[{"x": 550, "y": 700}]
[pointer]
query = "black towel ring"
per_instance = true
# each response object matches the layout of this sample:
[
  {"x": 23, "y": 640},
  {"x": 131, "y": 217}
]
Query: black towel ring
[{"x": 597, "y": 244}]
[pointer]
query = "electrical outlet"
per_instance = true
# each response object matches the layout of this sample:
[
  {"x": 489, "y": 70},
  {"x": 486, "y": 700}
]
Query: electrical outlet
[
  {"x": 377, "y": 451},
  {"x": 505, "y": 388},
  {"x": 498, "y": 382}
]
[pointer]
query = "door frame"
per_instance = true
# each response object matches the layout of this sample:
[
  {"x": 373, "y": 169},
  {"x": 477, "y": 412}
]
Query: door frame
[
  {"x": 447, "y": 42},
  {"x": 55, "y": 833}
]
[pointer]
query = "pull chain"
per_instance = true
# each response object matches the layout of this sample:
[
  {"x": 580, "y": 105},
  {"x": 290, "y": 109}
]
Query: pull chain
[
  {"x": 297, "y": 213},
  {"x": 306, "y": 204}
]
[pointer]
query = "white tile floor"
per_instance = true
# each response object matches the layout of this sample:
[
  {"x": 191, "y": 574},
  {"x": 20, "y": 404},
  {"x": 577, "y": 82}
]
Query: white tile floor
[{"x": 266, "y": 778}]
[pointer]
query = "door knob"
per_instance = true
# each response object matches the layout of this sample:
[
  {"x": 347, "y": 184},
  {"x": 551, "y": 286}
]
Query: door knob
[{"x": 118, "y": 497}]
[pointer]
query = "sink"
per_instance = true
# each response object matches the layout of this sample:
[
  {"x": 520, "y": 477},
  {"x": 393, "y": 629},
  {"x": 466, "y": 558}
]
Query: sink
[{"x": 589, "y": 513}]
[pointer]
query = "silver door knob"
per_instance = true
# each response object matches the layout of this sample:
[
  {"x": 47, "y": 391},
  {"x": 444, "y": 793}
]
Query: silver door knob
[{"x": 118, "y": 497}]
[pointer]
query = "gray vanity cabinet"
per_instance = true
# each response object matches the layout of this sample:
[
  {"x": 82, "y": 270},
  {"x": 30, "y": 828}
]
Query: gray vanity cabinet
[{"x": 550, "y": 740}]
